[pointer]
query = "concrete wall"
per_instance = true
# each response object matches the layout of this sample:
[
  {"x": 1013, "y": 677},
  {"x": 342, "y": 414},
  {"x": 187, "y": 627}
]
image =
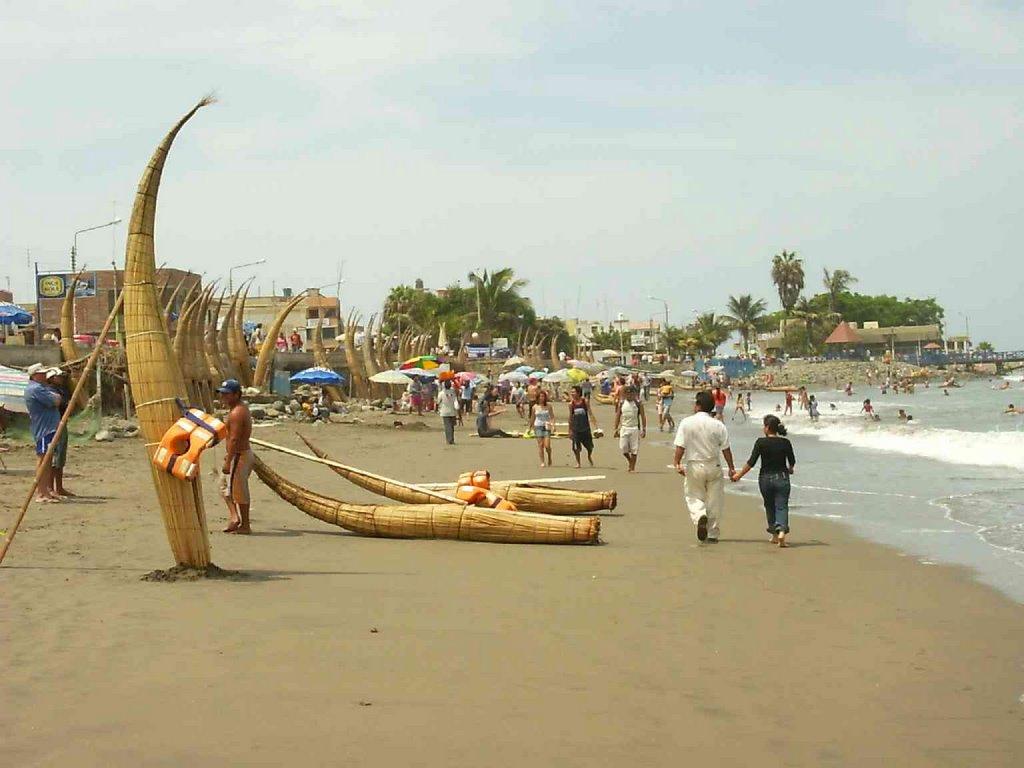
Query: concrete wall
[{"x": 22, "y": 356}]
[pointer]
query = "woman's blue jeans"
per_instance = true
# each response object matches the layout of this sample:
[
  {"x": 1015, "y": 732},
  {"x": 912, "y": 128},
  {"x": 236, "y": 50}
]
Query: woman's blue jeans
[{"x": 775, "y": 493}]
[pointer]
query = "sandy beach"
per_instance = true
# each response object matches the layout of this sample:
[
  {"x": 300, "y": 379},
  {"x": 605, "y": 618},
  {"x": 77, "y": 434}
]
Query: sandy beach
[{"x": 339, "y": 650}]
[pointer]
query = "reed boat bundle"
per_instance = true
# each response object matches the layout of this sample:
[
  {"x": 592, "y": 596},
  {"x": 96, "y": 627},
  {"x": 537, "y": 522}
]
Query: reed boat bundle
[
  {"x": 184, "y": 350},
  {"x": 210, "y": 351},
  {"x": 237, "y": 348},
  {"x": 556, "y": 362},
  {"x": 223, "y": 337},
  {"x": 260, "y": 378},
  {"x": 433, "y": 520},
  {"x": 169, "y": 306},
  {"x": 156, "y": 378},
  {"x": 528, "y": 497},
  {"x": 336, "y": 394},
  {"x": 357, "y": 376},
  {"x": 369, "y": 364},
  {"x": 606, "y": 399},
  {"x": 383, "y": 347},
  {"x": 404, "y": 345},
  {"x": 69, "y": 348}
]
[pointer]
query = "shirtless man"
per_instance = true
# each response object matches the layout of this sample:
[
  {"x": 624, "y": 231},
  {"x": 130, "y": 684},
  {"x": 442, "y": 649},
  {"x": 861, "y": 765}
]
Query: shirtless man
[{"x": 238, "y": 458}]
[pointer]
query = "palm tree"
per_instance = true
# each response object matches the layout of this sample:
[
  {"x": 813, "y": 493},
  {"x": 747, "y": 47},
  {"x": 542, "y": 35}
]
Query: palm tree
[
  {"x": 836, "y": 283},
  {"x": 710, "y": 330},
  {"x": 788, "y": 276},
  {"x": 745, "y": 315},
  {"x": 498, "y": 301},
  {"x": 812, "y": 317}
]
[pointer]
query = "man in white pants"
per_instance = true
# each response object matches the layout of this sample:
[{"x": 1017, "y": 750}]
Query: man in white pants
[{"x": 702, "y": 439}]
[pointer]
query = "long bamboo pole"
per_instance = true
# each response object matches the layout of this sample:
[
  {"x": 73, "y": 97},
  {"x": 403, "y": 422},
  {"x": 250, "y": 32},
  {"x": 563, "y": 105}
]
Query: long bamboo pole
[
  {"x": 329, "y": 463},
  {"x": 531, "y": 481},
  {"x": 48, "y": 457}
]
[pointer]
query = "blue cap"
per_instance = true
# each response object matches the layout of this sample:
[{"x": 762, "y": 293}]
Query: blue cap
[{"x": 231, "y": 385}]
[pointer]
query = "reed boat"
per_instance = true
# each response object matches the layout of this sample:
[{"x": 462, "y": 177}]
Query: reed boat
[
  {"x": 529, "y": 497},
  {"x": 156, "y": 378},
  {"x": 434, "y": 520}
]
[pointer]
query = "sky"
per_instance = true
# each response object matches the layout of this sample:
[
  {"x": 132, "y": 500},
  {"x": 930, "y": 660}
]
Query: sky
[{"x": 608, "y": 151}]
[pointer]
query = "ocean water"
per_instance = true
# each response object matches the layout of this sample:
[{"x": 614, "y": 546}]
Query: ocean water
[{"x": 946, "y": 487}]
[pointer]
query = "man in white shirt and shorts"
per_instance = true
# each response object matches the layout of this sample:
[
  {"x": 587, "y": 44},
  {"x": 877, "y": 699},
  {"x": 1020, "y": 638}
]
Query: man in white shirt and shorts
[
  {"x": 630, "y": 426},
  {"x": 702, "y": 439}
]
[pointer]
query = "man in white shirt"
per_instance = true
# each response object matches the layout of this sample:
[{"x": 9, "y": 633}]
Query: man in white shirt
[
  {"x": 630, "y": 426},
  {"x": 701, "y": 439},
  {"x": 448, "y": 410}
]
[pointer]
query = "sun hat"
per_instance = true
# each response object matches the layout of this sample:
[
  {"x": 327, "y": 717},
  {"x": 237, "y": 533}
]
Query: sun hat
[
  {"x": 51, "y": 372},
  {"x": 35, "y": 368}
]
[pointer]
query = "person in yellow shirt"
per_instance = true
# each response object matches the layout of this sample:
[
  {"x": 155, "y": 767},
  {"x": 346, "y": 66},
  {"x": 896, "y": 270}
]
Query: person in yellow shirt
[{"x": 666, "y": 394}]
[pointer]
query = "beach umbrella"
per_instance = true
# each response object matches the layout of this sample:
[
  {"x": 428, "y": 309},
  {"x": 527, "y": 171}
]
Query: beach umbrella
[
  {"x": 583, "y": 365},
  {"x": 666, "y": 375},
  {"x": 466, "y": 376},
  {"x": 12, "y": 314},
  {"x": 12, "y": 389},
  {"x": 390, "y": 377},
  {"x": 576, "y": 375},
  {"x": 558, "y": 377},
  {"x": 514, "y": 376},
  {"x": 513, "y": 361},
  {"x": 442, "y": 337},
  {"x": 423, "y": 373},
  {"x": 425, "y": 362},
  {"x": 525, "y": 368},
  {"x": 539, "y": 375},
  {"x": 689, "y": 374},
  {"x": 318, "y": 377}
]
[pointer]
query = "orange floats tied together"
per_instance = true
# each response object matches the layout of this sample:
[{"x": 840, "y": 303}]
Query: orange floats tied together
[
  {"x": 180, "y": 447},
  {"x": 475, "y": 488}
]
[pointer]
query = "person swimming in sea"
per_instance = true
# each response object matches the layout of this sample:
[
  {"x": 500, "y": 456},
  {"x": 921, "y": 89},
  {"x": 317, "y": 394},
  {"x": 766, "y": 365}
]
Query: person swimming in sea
[
  {"x": 1012, "y": 410},
  {"x": 904, "y": 416}
]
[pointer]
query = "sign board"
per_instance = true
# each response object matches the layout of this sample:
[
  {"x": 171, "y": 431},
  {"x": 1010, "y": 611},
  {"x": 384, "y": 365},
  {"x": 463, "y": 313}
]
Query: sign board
[
  {"x": 638, "y": 340},
  {"x": 54, "y": 285},
  {"x": 475, "y": 351},
  {"x": 499, "y": 344}
]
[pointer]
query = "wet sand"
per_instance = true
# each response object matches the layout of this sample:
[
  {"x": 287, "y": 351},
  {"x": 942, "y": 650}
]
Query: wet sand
[{"x": 339, "y": 650}]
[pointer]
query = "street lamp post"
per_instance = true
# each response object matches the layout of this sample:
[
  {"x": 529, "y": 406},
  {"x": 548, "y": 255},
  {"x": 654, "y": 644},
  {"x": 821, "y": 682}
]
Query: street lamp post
[
  {"x": 231, "y": 271},
  {"x": 664, "y": 330},
  {"x": 74, "y": 243}
]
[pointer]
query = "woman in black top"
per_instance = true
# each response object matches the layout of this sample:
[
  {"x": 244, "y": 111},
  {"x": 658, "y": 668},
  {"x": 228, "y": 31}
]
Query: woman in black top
[{"x": 777, "y": 464}]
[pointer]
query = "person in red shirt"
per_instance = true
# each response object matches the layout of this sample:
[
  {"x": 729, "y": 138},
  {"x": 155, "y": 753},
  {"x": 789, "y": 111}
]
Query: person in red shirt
[
  {"x": 295, "y": 341},
  {"x": 720, "y": 399}
]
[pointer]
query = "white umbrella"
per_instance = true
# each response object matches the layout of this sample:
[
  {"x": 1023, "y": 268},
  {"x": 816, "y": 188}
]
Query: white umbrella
[
  {"x": 587, "y": 367},
  {"x": 560, "y": 376},
  {"x": 689, "y": 373},
  {"x": 514, "y": 376},
  {"x": 666, "y": 375},
  {"x": 390, "y": 377},
  {"x": 513, "y": 362}
]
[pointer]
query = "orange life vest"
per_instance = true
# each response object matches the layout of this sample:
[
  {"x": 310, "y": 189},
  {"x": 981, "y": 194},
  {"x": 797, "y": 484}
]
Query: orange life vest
[
  {"x": 179, "y": 449},
  {"x": 481, "y": 497},
  {"x": 480, "y": 478}
]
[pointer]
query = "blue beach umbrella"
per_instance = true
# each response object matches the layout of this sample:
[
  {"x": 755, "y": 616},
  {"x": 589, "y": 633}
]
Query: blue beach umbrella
[
  {"x": 12, "y": 314},
  {"x": 318, "y": 377},
  {"x": 524, "y": 368}
]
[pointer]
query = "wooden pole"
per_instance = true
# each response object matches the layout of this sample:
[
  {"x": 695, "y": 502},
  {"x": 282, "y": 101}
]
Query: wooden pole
[
  {"x": 48, "y": 457},
  {"x": 533, "y": 481},
  {"x": 328, "y": 463}
]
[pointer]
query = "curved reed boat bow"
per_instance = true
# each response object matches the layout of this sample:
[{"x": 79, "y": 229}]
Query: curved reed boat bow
[
  {"x": 156, "y": 378},
  {"x": 540, "y": 499},
  {"x": 433, "y": 521}
]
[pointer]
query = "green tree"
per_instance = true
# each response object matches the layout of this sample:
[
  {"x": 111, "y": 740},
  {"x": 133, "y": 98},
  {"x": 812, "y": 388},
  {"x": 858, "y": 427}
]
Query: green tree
[
  {"x": 815, "y": 323},
  {"x": 837, "y": 283},
  {"x": 788, "y": 276},
  {"x": 611, "y": 340},
  {"x": 499, "y": 304},
  {"x": 406, "y": 307},
  {"x": 746, "y": 315},
  {"x": 985, "y": 346},
  {"x": 709, "y": 330}
]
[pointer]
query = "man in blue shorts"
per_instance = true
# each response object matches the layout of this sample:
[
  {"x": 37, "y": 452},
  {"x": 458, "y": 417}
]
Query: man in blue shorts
[{"x": 43, "y": 404}]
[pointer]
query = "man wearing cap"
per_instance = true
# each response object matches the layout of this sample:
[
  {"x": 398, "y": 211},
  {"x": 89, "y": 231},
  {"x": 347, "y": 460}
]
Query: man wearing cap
[
  {"x": 238, "y": 459},
  {"x": 43, "y": 404},
  {"x": 57, "y": 381}
]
